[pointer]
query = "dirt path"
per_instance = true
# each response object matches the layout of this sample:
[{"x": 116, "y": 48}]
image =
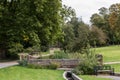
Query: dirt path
[{"x": 7, "y": 64}]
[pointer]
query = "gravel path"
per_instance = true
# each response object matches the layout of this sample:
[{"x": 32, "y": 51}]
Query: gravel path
[{"x": 7, "y": 64}]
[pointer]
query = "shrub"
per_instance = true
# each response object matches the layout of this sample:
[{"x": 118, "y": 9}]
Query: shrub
[
  {"x": 35, "y": 66},
  {"x": 54, "y": 65},
  {"x": 15, "y": 48},
  {"x": 32, "y": 49},
  {"x": 87, "y": 64},
  {"x": 23, "y": 62},
  {"x": 59, "y": 55}
]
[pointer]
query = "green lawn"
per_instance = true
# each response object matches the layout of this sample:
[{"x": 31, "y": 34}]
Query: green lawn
[
  {"x": 22, "y": 73},
  {"x": 87, "y": 77},
  {"x": 116, "y": 67},
  {"x": 110, "y": 53}
]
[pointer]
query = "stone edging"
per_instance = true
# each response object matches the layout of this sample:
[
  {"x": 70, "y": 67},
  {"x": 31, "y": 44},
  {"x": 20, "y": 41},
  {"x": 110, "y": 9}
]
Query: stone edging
[
  {"x": 73, "y": 75},
  {"x": 64, "y": 75},
  {"x": 116, "y": 74}
]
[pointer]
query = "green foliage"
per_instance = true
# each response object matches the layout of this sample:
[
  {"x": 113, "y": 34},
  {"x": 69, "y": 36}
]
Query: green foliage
[
  {"x": 108, "y": 21},
  {"x": 67, "y": 13},
  {"x": 15, "y": 47},
  {"x": 59, "y": 55},
  {"x": 97, "y": 37},
  {"x": 82, "y": 37},
  {"x": 32, "y": 22},
  {"x": 33, "y": 66},
  {"x": 97, "y": 20},
  {"x": 68, "y": 37},
  {"x": 32, "y": 49},
  {"x": 53, "y": 65},
  {"x": 76, "y": 35},
  {"x": 13, "y": 50},
  {"x": 86, "y": 66},
  {"x": 23, "y": 62}
]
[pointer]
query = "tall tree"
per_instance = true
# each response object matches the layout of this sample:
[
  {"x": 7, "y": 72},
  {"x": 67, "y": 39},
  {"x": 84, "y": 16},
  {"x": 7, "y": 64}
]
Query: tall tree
[
  {"x": 76, "y": 35},
  {"x": 114, "y": 22},
  {"x": 29, "y": 23}
]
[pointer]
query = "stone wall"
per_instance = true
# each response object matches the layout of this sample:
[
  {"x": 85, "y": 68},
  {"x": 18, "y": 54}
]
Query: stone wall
[{"x": 66, "y": 63}]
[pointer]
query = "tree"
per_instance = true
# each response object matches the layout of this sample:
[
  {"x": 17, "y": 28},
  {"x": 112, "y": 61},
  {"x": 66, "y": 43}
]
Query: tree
[
  {"x": 97, "y": 20},
  {"x": 97, "y": 37},
  {"x": 67, "y": 13},
  {"x": 76, "y": 35},
  {"x": 103, "y": 11},
  {"x": 114, "y": 22},
  {"x": 29, "y": 23},
  {"x": 69, "y": 37},
  {"x": 108, "y": 21},
  {"x": 82, "y": 37}
]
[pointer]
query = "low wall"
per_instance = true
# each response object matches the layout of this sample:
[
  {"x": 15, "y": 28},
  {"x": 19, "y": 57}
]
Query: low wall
[
  {"x": 75, "y": 77},
  {"x": 66, "y": 63}
]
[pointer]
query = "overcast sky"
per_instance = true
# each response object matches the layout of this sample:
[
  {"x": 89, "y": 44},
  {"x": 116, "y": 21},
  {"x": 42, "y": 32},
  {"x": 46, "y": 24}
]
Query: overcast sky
[{"x": 85, "y": 8}]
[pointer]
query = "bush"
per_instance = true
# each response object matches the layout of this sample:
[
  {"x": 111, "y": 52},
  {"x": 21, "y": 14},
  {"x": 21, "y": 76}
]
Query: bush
[
  {"x": 59, "y": 55},
  {"x": 53, "y": 65},
  {"x": 32, "y": 49},
  {"x": 15, "y": 48},
  {"x": 35, "y": 66},
  {"x": 86, "y": 66},
  {"x": 23, "y": 63}
]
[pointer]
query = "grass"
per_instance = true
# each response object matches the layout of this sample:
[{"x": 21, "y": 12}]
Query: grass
[
  {"x": 110, "y": 53},
  {"x": 22, "y": 73},
  {"x": 116, "y": 67},
  {"x": 87, "y": 77},
  {"x": 43, "y": 53}
]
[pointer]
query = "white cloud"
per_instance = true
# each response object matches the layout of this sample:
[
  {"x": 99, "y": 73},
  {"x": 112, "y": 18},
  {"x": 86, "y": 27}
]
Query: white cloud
[{"x": 86, "y": 8}]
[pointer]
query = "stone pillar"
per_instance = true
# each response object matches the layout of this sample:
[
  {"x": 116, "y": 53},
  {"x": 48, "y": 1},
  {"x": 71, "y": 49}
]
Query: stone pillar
[
  {"x": 28, "y": 57},
  {"x": 21, "y": 57}
]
